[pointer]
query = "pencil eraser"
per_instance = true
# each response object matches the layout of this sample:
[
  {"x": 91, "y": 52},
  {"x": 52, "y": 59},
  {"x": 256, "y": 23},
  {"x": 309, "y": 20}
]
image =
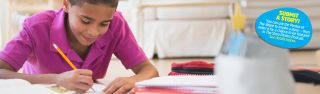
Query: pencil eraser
[{"x": 55, "y": 46}]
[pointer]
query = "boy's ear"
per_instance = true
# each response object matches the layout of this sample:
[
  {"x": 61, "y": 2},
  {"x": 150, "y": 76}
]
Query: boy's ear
[{"x": 66, "y": 5}]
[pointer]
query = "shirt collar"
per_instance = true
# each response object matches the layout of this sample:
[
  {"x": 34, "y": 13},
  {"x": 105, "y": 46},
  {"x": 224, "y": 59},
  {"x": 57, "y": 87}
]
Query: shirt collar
[{"x": 58, "y": 33}]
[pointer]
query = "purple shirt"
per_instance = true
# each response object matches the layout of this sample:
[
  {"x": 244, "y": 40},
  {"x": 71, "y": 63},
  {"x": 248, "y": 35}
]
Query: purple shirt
[{"x": 32, "y": 48}]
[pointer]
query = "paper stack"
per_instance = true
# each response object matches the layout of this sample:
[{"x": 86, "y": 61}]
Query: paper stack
[{"x": 205, "y": 84}]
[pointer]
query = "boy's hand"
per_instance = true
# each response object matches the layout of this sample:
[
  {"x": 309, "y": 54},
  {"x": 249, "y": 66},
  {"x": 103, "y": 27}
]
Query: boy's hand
[
  {"x": 79, "y": 80},
  {"x": 121, "y": 85}
]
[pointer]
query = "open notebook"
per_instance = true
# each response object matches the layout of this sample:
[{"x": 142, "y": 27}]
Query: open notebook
[{"x": 19, "y": 86}]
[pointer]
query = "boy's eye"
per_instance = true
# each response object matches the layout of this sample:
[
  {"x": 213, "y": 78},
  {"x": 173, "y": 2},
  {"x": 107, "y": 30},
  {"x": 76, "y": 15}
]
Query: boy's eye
[
  {"x": 85, "y": 21},
  {"x": 105, "y": 24}
]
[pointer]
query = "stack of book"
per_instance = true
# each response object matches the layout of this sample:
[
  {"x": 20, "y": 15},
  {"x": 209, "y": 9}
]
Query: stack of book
[{"x": 184, "y": 84}]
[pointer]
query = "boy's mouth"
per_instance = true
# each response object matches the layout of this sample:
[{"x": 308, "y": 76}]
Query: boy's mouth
[{"x": 88, "y": 38}]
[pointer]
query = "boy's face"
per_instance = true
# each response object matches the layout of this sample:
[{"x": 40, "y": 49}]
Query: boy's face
[{"x": 88, "y": 21}]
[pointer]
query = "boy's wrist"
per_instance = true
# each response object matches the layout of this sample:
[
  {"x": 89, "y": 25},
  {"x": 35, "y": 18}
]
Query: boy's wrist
[
  {"x": 39, "y": 78},
  {"x": 54, "y": 78},
  {"x": 138, "y": 78},
  {"x": 141, "y": 77}
]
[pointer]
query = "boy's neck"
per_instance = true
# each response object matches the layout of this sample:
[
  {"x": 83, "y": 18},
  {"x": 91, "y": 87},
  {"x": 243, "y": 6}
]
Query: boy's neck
[{"x": 81, "y": 50}]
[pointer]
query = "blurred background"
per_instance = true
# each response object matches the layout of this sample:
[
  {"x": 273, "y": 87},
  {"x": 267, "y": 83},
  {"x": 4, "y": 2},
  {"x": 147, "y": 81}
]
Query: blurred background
[{"x": 169, "y": 28}]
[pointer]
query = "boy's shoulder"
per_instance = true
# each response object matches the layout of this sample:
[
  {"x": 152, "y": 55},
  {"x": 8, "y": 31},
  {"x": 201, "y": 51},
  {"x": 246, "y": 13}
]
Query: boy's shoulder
[
  {"x": 39, "y": 24},
  {"x": 118, "y": 17},
  {"x": 117, "y": 14},
  {"x": 41, "y": 18}
]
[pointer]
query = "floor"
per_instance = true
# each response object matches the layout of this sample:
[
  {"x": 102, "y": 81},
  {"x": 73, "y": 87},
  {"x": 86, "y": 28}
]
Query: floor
[
  {"x": 303, "y": 58},
  {"x": 296, "y": 59}
]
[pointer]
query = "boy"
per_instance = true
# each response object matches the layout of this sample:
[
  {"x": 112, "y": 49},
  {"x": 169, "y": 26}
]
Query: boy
[{"x": 88, "y": 32}]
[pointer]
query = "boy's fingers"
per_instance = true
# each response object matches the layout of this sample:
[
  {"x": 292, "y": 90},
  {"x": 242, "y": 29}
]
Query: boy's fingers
[
  {"x": 115, "y": 86},
  {"x": 118, "y": 87},
  {"x": 84, "y": 72},
  {"x": 132, "y": 91},
  {"x": 123, "y": 89},
  {"x": 83, "y": 87},
  {"x": 111, "y": 90},
  {"x": 85, "y": 79},
  {"x": 111, "y": 84}
]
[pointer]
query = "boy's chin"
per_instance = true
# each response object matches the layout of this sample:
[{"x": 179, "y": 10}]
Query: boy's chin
[{"x": 86, "y": 43}]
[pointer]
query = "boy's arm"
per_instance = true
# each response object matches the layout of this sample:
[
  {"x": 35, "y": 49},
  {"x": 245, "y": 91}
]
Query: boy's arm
[
  {"x": 144, "y": 71},
  {"x": 7, "y": 72},
  {"x": 123, "y": 85},
  {"x": 79, "y": 80}
]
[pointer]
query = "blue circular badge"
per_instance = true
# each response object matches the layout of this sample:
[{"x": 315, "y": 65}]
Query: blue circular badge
[{"x": 284, "y": 27}]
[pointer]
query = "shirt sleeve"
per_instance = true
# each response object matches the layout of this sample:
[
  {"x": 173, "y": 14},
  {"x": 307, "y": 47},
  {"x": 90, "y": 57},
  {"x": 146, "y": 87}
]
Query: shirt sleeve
[
  {"x": 127, "y": 48},
  {"x": 16, "y": 51}
]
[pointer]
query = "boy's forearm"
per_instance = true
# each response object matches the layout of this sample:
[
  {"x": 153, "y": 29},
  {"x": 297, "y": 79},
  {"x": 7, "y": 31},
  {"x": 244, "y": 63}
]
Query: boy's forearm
[
  {"x": 146, "y": 73},
  {"x": 34, "y": 79}
]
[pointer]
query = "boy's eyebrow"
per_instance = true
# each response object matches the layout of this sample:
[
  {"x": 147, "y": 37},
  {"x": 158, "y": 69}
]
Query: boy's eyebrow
[{"x": 108, "y": 20}]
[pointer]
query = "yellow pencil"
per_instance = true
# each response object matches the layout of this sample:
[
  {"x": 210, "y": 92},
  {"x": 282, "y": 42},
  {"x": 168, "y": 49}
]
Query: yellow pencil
[
  {"x": 64, "y": 57},
  {"x": 67, "y": 59}
]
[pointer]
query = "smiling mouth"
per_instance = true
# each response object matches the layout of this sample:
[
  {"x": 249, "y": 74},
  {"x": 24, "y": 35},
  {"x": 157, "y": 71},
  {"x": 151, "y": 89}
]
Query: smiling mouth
[{"x": 88, "y": 39}]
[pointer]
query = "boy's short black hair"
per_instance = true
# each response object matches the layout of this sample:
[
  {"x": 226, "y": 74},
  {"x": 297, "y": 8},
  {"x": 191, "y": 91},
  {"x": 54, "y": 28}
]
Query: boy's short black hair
[{"x": 112, "y": 3}]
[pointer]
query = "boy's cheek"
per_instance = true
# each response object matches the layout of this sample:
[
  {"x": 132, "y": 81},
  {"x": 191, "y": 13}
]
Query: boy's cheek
[
  {"x": 103, "y": 31},
  {"x": 78, "y": 27}
]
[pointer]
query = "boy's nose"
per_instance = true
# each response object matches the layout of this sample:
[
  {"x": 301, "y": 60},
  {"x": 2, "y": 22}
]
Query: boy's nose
[{"x": 92, "y": 34}]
